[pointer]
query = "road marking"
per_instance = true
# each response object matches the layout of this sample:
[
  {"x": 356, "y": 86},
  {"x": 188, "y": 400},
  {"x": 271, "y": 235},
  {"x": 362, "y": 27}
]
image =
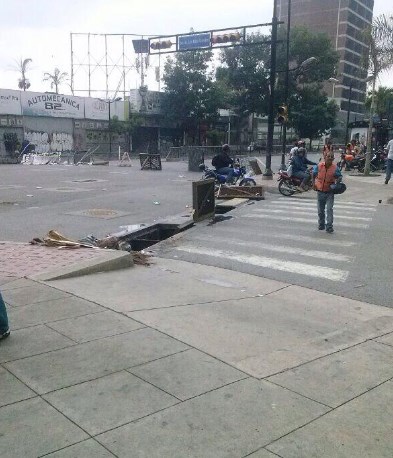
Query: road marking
[
  {"x": 304, "y": 220},
  {"x": 268, "y": 211},
  {"x": 288, "y": 249},
  {"x": 342, "y": 202},
  {"x": 314, "y": 204},
  {"x": 300, "y": 268},
  {"x": 303, "y": 207}
]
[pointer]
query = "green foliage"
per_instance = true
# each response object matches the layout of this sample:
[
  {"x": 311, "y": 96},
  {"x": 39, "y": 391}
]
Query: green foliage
[
  {"x": 312, "y": 114},
  {"x": 191, "y": 95},
  {"x": 126, "y": 128},
  {"x": 23, "y": 82},
  {"x": 215, "y": 137},
  {"x": 245, "y": 73},
  {"x": 383, "y": 103},
  {"x": 11, "y": 143}
]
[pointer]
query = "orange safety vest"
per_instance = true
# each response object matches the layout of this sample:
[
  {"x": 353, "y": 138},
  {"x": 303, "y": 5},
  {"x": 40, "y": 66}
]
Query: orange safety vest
[{"x": 325, "y": 177}]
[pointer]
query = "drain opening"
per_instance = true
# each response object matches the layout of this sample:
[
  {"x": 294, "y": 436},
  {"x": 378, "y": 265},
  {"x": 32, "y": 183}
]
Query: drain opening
[{"x": 150, "y": 235}]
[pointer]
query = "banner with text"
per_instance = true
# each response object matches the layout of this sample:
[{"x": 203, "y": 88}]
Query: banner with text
[
  {"x": 57, "y": 105},
  {"x": 10, "y": 102}
]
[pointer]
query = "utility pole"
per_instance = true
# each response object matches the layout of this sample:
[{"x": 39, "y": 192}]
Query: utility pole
[
  {"x": 286, "y": 89},
  {"x": 270, "y": 132},
  {"x": 348, "y": 112}
]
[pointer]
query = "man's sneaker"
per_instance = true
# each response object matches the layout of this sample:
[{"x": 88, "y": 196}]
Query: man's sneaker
[
  {"x": 321, "y": 227},
  {"x": 5, "y": 334},
  {"x": 329, "y": 230},
  {"x": 386, "y": 181}
]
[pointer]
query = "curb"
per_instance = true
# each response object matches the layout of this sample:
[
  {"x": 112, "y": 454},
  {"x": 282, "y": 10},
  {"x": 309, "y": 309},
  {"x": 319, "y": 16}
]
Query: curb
[{"x": 110, "y": 260}]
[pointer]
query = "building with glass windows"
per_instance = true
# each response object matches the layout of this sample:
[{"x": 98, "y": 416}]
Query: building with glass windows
[{"x": 343, "y": 21}]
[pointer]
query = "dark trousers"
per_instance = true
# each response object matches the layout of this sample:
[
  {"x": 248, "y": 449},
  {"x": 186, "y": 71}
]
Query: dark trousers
[{"x": 3, "y": 316}]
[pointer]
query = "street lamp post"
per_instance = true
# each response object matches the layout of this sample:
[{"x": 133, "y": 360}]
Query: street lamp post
[
  {"x": 109, "y": 102},
  {"x": 348, "y": 111},
  {"x": 270, "y": 129},
  {"x": 286, "y": 88}
]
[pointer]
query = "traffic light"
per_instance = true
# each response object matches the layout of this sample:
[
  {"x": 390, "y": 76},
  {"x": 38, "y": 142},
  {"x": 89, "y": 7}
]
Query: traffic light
[
  {"x": 282, "y": 116},
  {"x": 232, "y": 37},
  {"x": 161, "y": 44}
]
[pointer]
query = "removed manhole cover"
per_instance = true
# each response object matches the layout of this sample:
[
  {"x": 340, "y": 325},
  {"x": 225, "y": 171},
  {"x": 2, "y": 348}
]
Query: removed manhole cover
[
  {"x": 5, "y": 204},
  {"x": 86, "y": 180},
  {"x": 83, "y": 181},
  {"x": 104, "y": 213}
]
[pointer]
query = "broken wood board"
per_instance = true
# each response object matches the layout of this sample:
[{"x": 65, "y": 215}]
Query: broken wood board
[{"x": 245, "y": 192}]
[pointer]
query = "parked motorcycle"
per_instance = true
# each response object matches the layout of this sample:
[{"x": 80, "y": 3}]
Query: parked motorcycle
[
  {"x": 288, "y": 185},
  {"x": 240, "y": 176}
]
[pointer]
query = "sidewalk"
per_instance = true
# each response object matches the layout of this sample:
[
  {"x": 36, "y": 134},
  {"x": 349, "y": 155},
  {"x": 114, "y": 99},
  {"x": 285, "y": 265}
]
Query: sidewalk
[
  {"x": 214, "y": 363},
  {"x": 185, "y": 360}
]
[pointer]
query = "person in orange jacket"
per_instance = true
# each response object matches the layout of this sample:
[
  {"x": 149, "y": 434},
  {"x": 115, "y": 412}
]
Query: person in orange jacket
[{"x": 325, "y": 174}]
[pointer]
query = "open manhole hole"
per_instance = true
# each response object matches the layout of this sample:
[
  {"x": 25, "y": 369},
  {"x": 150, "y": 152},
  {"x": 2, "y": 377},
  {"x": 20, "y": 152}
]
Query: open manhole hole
[
  {"x": 8, "y": 204},
  {"x": 90, "y": 180},
  {"x": 150, "y": 235}
]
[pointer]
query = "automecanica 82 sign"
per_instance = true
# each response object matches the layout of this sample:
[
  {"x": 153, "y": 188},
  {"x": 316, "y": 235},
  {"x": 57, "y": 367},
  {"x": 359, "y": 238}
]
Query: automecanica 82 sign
[
  {"x": 47, "y": 104},
  {"x": 195, "y": 41}
]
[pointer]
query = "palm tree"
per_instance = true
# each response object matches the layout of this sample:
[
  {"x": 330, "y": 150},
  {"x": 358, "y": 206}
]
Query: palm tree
[
  {"x": 23, "y": 82},
  {"x": 56, "y": 79},
  {"x": 379, "y": 38}
]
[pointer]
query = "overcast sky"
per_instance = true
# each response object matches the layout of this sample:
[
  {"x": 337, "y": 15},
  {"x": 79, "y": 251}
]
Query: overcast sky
[{"x": 41, "y": 29}]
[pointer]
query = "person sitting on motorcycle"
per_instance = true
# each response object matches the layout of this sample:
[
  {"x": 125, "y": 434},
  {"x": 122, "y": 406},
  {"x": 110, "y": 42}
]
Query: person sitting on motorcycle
[
  {"x": 223, "y": 163},
  {"x": 299, "y": 168}
]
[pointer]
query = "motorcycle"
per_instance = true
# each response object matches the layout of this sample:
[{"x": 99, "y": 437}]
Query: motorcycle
[
  {"x": 240, "y": 176},
  {"x": 378, "y": 161},
  {"x": 288, "y": 185}
]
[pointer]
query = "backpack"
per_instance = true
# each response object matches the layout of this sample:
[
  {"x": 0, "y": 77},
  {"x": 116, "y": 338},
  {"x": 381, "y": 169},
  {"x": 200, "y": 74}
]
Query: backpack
[{"x": 215, "y": 160}]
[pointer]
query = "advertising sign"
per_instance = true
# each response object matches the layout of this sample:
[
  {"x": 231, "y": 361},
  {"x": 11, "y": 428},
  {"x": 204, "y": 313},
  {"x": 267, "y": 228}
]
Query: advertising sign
[
  {"x": 144, "y": 101},
  {"x": 10, "y": 102},
  {"x": 195, "y": 41},
  {"x": 48, "y": 104},
  {"x": 96, "y": 109}
]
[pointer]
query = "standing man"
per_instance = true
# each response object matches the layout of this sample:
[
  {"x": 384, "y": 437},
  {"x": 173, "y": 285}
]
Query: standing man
[
  {"x": 223, "y": 163},
  {"x": 389, "y": 162},
  {"x": 4, "y": 329},
  {"x": 324, "y": 175}
]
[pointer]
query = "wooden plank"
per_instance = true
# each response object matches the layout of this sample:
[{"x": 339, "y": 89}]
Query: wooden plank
[{"x": 246, "y": 192}]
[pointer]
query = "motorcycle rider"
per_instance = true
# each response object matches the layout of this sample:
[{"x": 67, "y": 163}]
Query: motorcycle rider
[
  {"x": 223, "y": 163},
  {"x": 299, "y": 168}
]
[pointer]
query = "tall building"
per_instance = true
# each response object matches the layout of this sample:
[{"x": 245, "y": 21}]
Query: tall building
[{"x": 343, "y": 21}]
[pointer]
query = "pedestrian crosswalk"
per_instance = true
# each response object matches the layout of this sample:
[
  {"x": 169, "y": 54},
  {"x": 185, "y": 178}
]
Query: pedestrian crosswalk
[{"x": 280, "y": 239}]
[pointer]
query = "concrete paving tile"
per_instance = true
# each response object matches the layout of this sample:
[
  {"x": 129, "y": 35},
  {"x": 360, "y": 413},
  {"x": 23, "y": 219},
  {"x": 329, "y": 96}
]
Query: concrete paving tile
[
  {"x": 18, "y": 283},
  {"x": 5, "y": 279},
  {"x": 360, "y": 428},
  {"x": 90, "y": 360},
  {"x": 85, "y": 449},
  {"x": 32, "y": 428},
  {"x": 263, "y": 453},
  {"x": 32, "y": 294},
  {"x": 335, "y": 379},
  {"x": 175, "y": 283},
  {"x": 188, "y": 374},
  {"x": 11, "y": 389},
  {"x": 98, "y": 325},
  {"x": 47, "y": 311},
  {"x": 231, "y": 421},
  {"x": 109, "y": 401},
  {"x": 388, "y": 339},
  {"x": 32, "y": 341},
  {"x": 275, "y": 332}
]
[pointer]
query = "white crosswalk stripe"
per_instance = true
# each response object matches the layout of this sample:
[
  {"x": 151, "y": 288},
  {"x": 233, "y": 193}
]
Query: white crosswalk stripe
[{"x": 280, "y": 239}]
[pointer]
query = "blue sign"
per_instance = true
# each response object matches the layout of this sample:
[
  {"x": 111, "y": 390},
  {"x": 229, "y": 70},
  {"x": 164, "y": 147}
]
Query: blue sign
[{"x": 198, "y": 40}]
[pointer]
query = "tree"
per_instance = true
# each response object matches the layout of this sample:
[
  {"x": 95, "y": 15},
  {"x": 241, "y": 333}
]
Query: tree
[
  {"x": 191, "y": 95},
  {"x": 23, "y": 82},
  {"x": 56, "y": 79},
  {"x": 245, "y": 73},
  {"x": 312, "y": 114},
  {"x": 379, "y": 37},
  {"x": 383, "y": 103}
]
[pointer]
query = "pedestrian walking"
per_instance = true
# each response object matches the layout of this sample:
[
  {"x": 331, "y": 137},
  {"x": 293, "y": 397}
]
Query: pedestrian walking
[
  {"x": 389, "y": 162},
  {"x": 4, "y": 329},
  {"x": 325, "y": 174}
]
